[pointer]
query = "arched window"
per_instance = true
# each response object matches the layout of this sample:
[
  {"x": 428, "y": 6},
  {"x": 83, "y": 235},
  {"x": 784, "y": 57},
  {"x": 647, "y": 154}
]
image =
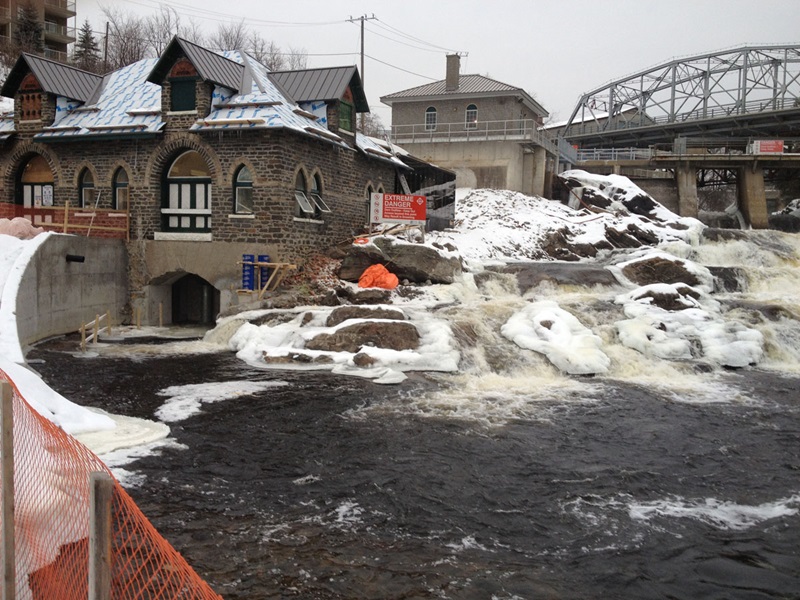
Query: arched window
[
  {"x": 120, "y": 189},
  {"x": 430, "y": 118},
  {"x": 186, "y": 201},
  {"x": 243, "y": 191},
  {"x": 87, "y": 194},
  {"x": 315, "y": 195},
  {"x": 471, "y": 117},
  {"x": 309, "y": 201},
  {"x": 35, "y": 183}
]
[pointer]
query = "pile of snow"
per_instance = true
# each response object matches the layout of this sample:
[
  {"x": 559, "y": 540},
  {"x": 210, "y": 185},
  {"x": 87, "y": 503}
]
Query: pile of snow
[
  {"x": 793, "y": 208},
  {"x": 501, "y": 225}
]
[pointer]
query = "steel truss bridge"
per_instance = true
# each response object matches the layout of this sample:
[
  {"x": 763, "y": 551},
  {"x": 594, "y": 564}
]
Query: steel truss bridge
[{"x": 738, "y": 94}]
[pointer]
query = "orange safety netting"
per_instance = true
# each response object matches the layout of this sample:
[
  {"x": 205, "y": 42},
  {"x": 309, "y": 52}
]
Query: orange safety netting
[{"x": 51, "y": 530}]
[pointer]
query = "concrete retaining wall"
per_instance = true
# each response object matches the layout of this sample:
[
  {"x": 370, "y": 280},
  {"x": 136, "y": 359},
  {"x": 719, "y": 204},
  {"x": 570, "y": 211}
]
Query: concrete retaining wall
[{"x": 56, "y": 296}]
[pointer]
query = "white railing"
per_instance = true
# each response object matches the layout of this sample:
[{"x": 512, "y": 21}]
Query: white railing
[
  {"x": 589, "y": 154},
  {"x": 519, "y": 130}
]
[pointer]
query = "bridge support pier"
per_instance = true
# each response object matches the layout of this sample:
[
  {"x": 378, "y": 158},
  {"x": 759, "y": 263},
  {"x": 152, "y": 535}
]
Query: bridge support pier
[
  {"x": 534, "y": 172},
  {"x": 753, "y": 198},
  {"x": 686, "y": 179}
]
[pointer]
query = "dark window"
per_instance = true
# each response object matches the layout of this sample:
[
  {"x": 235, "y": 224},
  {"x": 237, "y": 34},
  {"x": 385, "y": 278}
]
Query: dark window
[
  {"x": 430, "y": 118},
  {"x": 315, "y": 195},
  {"x": 345, "y": 115},
  {"x": 305, "y": 209},
  {"x": 184, "y": 95},
  {"x": 121, "y": 189},
  {"x": 243, "y": 191}
]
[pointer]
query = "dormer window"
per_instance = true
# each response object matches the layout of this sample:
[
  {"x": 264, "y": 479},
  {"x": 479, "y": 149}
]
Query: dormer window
[{"x": 183, "y": 86}]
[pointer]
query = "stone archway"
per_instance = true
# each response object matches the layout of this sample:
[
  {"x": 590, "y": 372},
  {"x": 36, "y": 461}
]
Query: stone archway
[{"x": 194, "y": 301}]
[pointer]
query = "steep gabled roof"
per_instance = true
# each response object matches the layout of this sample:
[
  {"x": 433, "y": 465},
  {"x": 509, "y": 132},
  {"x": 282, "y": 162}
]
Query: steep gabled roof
[
  {"x": 327, "y": 84},
  {"x": 54, "y": 77},
  {"x": 468, "y": 85},
  {"x": 211, "y": 66}
]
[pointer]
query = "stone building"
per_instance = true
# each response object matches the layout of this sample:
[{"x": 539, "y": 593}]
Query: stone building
[
  {"x": 196, "y": 158},
  {"x": 486, "y": 131}
]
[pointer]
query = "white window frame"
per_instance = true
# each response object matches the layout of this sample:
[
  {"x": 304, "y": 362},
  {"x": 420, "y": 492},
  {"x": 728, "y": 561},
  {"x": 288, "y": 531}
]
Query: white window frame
[
  {"x": 431, "y": 118},
  {"x": 472, "y": 111}
]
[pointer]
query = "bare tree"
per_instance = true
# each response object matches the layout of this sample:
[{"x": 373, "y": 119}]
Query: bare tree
[
  {"x": 267, "y": 53},
  {"x": 192, "y": 30},
  {"x": 297, "y": 58},
  {"x": 160, "y": 27},
  {"x": 373, "y": 126},
  {"x": 230, "y": 37},
  {"x": 127, "y": 41}
]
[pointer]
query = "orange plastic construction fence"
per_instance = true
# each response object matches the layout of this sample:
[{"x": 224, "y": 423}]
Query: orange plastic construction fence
[{"x": 51, "y": 530}]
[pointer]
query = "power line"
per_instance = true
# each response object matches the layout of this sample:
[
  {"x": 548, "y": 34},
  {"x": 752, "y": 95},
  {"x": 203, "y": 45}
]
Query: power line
[{"x": 400, "y": 68}]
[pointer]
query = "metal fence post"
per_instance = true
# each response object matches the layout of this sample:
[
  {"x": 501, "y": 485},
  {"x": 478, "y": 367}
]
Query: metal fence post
[
  {"x": 7, "y": 457},
  {"x": 101, "y": 493}
]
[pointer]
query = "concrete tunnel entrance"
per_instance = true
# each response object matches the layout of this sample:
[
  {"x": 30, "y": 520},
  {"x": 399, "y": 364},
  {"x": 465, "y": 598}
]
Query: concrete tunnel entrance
[{"x": 194, "y": 301}]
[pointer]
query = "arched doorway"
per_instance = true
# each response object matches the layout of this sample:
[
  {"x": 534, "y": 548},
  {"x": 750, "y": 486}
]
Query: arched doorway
[
  {"x": 34, "y": 183},
  {"x": 186, "y": 196},
  {"x": 194, "y": 301}
]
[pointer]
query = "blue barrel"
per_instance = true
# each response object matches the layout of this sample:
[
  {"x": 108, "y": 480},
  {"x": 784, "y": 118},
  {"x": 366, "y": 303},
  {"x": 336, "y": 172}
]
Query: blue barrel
[
  {"x": 248, "y": 272},
  {"x": 265, "y": 271}
]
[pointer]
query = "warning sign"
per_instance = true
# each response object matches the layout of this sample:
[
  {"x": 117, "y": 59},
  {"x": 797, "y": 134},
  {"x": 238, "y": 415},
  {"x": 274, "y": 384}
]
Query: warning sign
[
  {"x": 767, "y": 146},
  {"x": 398, "y": 208}
]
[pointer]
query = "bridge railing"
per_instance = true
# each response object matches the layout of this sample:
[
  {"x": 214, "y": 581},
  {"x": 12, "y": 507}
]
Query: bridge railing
[{"x": 698, "y": 114}]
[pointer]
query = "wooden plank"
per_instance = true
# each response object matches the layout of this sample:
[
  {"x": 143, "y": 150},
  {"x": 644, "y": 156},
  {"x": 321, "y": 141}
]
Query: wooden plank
[
  {"x": 7, "y": 453},
  {"x": 100, "y": 531}
]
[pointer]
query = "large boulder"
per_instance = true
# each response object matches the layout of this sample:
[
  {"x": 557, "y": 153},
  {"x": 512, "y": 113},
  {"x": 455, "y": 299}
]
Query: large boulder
[
  {"x": 659, "y": 270},
  {"x": 345, "y": 313},
  {"x": 416, "y": 263},
  {"x": 394, "y": 335}
]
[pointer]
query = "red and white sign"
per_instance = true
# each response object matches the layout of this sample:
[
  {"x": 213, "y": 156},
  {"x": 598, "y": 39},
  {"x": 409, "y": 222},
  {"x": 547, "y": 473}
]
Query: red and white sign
[
  {"x": 398, "y": 208},
  {"x": 767, "y": 146}
]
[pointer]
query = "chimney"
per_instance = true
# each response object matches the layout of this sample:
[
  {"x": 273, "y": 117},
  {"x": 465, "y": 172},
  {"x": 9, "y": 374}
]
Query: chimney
[{"x": 453, "y": 68}]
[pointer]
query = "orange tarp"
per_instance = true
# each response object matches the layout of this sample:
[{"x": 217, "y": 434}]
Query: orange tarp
[{"x": 378, "y": 276}]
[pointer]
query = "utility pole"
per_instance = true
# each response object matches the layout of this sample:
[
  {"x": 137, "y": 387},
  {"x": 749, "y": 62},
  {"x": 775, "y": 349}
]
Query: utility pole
[{"x": 362, "y": 18}]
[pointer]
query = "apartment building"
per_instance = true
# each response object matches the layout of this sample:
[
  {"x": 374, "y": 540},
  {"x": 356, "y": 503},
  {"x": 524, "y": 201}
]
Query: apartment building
[{"x": 56, "y": 16}]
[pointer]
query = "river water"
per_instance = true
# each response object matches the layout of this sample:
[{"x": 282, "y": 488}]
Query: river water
[
  {"x": 335, "y": 487},
  {"x": 505, "y": 481}
]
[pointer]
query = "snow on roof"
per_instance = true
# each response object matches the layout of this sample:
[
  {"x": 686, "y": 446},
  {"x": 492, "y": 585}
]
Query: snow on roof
[{"x": 127, "y": 103}]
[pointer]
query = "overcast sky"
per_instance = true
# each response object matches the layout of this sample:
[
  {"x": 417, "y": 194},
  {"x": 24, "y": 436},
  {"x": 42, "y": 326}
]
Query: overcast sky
[{"x": 554, "y": 49}]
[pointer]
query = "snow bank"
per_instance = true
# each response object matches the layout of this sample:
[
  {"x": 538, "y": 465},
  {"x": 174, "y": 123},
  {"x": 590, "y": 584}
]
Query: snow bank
[{"x": 501, "y": 225}]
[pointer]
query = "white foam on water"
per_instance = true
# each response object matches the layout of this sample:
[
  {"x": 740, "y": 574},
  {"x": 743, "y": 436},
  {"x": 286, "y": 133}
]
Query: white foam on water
[
  {"x": 187, "y": 400},
  {"x": 721, "y": 514}
]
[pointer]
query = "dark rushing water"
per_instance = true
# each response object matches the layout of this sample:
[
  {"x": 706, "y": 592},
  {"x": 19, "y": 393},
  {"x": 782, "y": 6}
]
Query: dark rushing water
[{"x": 285, "y": 494}]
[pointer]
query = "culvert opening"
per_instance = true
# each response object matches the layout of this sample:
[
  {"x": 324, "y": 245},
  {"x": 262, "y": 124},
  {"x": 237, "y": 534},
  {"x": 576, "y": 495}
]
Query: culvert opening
[{"x": 194, "y": 301}]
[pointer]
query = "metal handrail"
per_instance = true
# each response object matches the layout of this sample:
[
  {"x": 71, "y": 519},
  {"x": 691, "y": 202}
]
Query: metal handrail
[
  {"x": 727, "y": 110},
  {"x": 62, "y": 30},
  {"x": 63, "y": 4}
]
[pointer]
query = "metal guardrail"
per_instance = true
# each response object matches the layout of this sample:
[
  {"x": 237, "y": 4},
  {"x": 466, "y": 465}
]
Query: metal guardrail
[
  {"x": 589, "y": 154},
  {"x": 62, "y": 30},
  {"x": 62, "y": 4},
  {"x": 602, "y": 124},
  {"x": 518, "y": 130}
]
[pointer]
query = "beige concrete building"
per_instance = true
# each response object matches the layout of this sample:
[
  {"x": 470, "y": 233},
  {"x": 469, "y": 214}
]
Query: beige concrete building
[
  {"x": 57, "y": 18},
  {"x": 487, "y": 131}
]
